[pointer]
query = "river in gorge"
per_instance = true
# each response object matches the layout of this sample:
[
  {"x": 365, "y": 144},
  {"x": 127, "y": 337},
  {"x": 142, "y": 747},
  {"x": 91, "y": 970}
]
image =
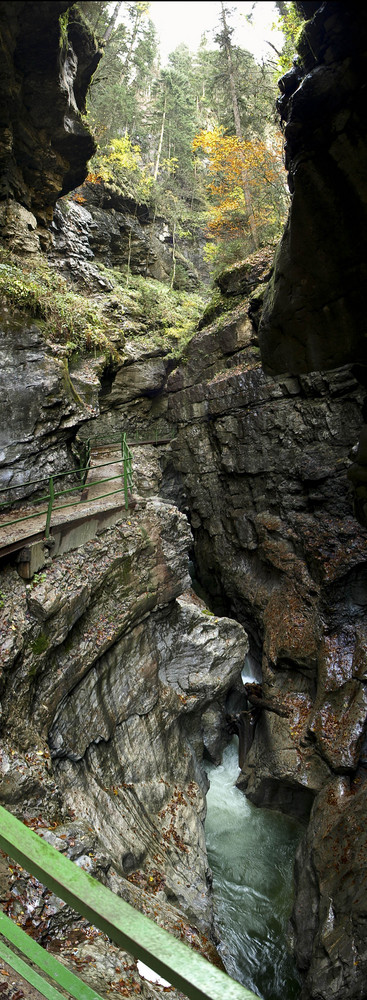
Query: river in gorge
[{"x": 251, "y": 853}]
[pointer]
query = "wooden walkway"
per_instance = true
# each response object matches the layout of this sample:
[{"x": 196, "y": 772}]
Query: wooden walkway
[{"x": 83, "y": 505}]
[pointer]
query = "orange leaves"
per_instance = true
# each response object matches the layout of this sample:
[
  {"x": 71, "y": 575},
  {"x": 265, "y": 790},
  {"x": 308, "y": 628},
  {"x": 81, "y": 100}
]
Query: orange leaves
[
  {"x": 241, "y": 173},
  {"x": 94, "y": 178},
  {"x": 225, "y": 159}
]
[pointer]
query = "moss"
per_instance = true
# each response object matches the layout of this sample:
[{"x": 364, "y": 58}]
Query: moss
[
  {"x": 152, "y": 312},
  {"x": 304, "y": 41},
  {"x": 126, "y": 570},
  {"x": 218, "y": 305},
  {"x": 69, "y": 319},
  {"x": 68, "y": 644},
  {"x": 64, "y": 38},
  {"x": 40, "y": 644},
  {"x": 75, "y": 323}
]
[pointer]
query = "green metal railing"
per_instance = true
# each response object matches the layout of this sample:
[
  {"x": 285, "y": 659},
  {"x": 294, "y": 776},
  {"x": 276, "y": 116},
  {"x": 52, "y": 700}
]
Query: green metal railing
[
  {"x": 52, "y": 494},
  {"x": 130, "y": 930}
]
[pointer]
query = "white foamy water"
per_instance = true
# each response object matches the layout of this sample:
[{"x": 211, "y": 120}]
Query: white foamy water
[{"x": 251, "y": 853}]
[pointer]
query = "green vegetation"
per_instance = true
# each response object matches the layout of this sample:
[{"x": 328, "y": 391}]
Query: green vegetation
[
  {"x": 63, "y": 22},
  {"x": 74, "y": 322},
  {"x": 147, "y": 121},
  {"x": 219, "y": 304},
  {"x": 291, "y": 24},
  {"x": 69, "y": 319},
  {"x": 40, "y": 644},
  {"x": 119, "y": 165},
  {"x": 151, "y": 310},
  {"x": 37, "y": 578}
]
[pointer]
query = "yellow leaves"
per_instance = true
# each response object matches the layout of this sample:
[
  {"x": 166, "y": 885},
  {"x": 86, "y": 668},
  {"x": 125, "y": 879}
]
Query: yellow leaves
[
  {"x": 120, "y": 164},
  {"x": 241, "y": 173}
]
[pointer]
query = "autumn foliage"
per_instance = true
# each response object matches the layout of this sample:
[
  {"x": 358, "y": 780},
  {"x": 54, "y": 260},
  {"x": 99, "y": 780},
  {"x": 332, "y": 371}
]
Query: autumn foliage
[{"x": 243, "y": 178}]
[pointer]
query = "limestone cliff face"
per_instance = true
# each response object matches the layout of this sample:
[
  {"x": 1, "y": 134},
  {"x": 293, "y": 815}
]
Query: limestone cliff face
[
  {"x": 85, "y": 234},
  {"x": 44, "y": 147},
  {"x": 314, "y": 307},
  {"x": 313, "y": 316},
  {"x": 263, "y": 463},
  {"x": 107, "y": 681},
  {"x": 45, "y": 72},
  {"x": 313, "y": 319},
  {"x": 104, "y": 226},
  {"x": 40, "y": 410}
]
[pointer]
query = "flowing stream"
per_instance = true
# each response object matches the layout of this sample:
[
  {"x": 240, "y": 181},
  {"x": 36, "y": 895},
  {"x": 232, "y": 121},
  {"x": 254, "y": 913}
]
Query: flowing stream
[{"x": 251, "y": 853}]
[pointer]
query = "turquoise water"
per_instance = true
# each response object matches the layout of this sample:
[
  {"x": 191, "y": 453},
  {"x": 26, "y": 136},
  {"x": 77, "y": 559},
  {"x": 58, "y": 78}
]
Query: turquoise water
[{"x": 251, "y": 853}]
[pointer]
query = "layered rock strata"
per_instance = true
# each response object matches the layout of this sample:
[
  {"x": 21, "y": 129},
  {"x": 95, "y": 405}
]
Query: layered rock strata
[
  {"x": 102, "y": 226},
  {"x": 41, "y": 411},
  {"x": 46, "y": 68},
  {"x": 313, "y": 316},
  {"x": 313, "y": 319},
  {"x": 107, "y": 678},
  {"x": 46, "y": 65},
  {"x": 262, "y": 465}
]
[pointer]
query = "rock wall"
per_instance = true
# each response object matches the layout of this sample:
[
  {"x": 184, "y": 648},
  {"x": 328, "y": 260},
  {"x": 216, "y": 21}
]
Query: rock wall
[
  {"x": 260, "y": 464},
  {"x": 41, "y": 412},
  {"x": 313, "y": 319},
  {"x": 86, "y": 234},
  {"x": 314, "y": 307},
  {"x": 102, "y": 225},
  {"x": 107, "y": 679},
  {"x": 45, "y": 72},
  {"x": 263, "y": 466},
  {"x": 313, "y": 316},
  {"x": 46, "y": 64}
]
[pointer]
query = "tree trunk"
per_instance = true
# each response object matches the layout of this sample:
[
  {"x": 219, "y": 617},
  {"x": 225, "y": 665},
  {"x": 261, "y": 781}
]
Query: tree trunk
[
  {"x": 126, "y": 65},
  {"x": 157, "y": 162},
  {"x": 254, "y": 696},
  {"x": 226, "y": 42},
  {"x": 173, "y": 257},
  {"x": 111, "y": 25}
]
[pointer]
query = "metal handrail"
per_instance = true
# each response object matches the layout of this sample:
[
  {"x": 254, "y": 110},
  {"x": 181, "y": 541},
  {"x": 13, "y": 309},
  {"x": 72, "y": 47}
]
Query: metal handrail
[
  {"x": 130, "y": 930},
  {"x": 85, "y": 468},
  {"x": 44, "y": 961},
  {"x": 52, "y": 495}
]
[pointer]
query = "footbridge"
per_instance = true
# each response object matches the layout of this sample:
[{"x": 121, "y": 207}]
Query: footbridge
[{"x": 61, "y": 519}]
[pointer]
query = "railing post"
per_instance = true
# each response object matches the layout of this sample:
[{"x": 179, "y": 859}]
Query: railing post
[
  {"x": 50, "y": 505},
  {"x": 87, "y": 460},
  {"x": 125, "y": 459}
]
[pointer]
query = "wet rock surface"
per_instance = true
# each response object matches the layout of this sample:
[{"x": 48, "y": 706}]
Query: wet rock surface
[
  {"x": 329, "y": 915},
  {"x": 44, "y": 146},
  {"x": 314, "y": 306},
  {"x": 104, "y": 687},
  {"x": 313, "y": 315},
  {"x": 40, "y": 409},
  {"x": 263, "y": 468}
]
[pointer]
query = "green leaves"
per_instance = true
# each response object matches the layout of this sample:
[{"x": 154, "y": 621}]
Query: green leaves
[
  {"x": 70, "y": 319},
  {"x": 120, "y": 165}
]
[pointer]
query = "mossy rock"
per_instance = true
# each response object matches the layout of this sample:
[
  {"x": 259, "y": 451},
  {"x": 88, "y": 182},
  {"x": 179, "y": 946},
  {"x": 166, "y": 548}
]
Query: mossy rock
[{"x": 40, "y": 644}]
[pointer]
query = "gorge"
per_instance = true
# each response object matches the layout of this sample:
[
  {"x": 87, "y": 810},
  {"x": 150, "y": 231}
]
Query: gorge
[{"x": 118, "y": 682}]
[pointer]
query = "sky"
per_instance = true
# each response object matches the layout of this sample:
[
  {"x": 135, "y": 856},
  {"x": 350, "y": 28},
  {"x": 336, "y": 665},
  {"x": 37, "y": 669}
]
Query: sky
[{"x": 178, "y": 22}]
